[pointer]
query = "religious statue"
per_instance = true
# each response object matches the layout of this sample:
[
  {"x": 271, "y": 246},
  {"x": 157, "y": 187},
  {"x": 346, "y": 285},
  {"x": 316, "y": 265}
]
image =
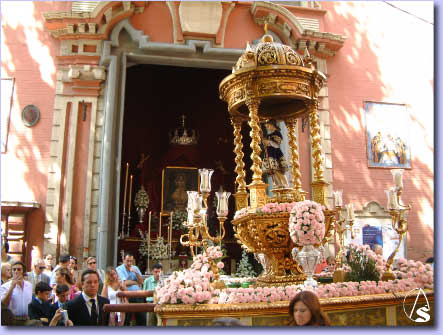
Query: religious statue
[
  {"x": 179, "y": 196},
  {"x": 274, "y": 162}
]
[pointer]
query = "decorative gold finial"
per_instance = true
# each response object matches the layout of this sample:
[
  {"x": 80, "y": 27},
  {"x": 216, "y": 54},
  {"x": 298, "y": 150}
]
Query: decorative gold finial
[{"x": 266, "y": 28}]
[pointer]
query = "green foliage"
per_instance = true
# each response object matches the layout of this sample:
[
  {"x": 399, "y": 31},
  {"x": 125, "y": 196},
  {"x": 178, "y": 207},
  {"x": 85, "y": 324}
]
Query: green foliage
[
  {"x": 362, "y": 267},
  {"x": 244, "y": 268}
]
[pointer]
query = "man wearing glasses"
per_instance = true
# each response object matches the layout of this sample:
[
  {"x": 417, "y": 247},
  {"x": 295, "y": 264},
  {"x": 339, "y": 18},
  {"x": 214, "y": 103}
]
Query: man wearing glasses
[
  {"x": 16, "y": 294},
  {"x": 37, "y": 274},
  {"x": 92, "y": 265}
]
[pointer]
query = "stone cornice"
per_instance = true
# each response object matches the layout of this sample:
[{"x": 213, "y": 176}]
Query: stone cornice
[
  {"x": 320, "y": 44},
  {"x": 95, "y": 25}
]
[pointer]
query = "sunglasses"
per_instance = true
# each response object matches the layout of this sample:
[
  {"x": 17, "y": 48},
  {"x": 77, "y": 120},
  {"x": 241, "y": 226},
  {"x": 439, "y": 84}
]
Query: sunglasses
[
  {"x": 92, "y": 263},
  {"x": 42, "y": 267},
  {"x": 17, "y": 269}
]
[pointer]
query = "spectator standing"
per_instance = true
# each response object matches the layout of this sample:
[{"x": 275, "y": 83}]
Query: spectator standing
[
  {"x": 150, "y": 284},
  {"x": 378, "y": 249},
  {"x": 87, "y": 308},
  {"x": 305, "y": 310},
  {"x": 132, "y": 278},
  {"x": 16, "y": 294},
  {"x": 73, "y": 269},
  {"x": 37, "y": 274},
  {"x": 91, "y": 262},
  {"x": 111, "y": 287},
  {"x": 6, "y": 272},
  {"x": 63, "y": 277},
  {"x": 40, "y": 308},
  {"x": 49, "y": 261},
  {"x": 63, "y": 262}
]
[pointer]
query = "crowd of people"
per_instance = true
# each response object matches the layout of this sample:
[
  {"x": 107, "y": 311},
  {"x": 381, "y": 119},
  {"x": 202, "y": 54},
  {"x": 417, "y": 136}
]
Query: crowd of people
[{"x": 65, "y": 296}]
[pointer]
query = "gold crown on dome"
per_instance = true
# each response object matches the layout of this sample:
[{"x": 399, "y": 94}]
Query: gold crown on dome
[
  {"x": 183, "y": 136},
  {"x": 268, "y": 52}
]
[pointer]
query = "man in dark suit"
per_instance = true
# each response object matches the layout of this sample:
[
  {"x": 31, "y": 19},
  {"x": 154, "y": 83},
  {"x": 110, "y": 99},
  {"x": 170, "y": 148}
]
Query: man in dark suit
[
  {"x": 37, "y": 274},
  {"x": 40, "y": 308},
  {"x": 87, "y": 308}
]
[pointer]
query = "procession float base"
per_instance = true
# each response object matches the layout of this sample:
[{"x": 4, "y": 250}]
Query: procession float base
[{"x": 366, "y": 310}]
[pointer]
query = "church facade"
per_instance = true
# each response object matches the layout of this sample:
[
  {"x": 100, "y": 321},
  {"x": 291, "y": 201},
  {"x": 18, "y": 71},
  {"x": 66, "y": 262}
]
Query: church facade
[{"x": 79, "y": 77}]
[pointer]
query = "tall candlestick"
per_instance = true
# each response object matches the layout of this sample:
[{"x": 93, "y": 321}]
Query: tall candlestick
[
  {"x": 130, "y": 197},
  {"x": 170, "y": 235},
  {"x": 149, "y": 230},
  {"x": 169, "y": 245},
  {"x": 126, "y": 188},
  {"x": 160, "y": 226}
]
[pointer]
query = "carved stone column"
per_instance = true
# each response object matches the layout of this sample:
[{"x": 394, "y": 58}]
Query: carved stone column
[
  {"x": 257, "y": 188},
  {"x": 291, "y": 124},
  {"x": 319, "y": 186},
  {"x": 241, "y": 196}
]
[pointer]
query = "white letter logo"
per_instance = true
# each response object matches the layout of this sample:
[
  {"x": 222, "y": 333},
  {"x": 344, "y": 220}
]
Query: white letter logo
[{"x": 423, "y": 315}]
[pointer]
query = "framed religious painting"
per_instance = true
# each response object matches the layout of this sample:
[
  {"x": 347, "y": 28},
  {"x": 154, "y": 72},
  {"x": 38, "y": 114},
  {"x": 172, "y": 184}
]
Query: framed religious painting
[
  {"x": 176, "y": 181},
  {"x": 387, "y": 134}
]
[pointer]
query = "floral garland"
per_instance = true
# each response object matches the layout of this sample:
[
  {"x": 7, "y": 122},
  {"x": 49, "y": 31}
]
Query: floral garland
[
  {"x": 193, "y": 285},
  {"x": 423, "y": 274},
  {"x": 306, "y": 223},
  {"x": 269, "y": 208}
]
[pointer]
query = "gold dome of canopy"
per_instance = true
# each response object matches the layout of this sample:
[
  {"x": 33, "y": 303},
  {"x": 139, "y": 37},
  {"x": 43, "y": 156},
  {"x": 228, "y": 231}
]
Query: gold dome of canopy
[
  {"x": 275, "y": 75},
  {"x": 268, "y": 52}
]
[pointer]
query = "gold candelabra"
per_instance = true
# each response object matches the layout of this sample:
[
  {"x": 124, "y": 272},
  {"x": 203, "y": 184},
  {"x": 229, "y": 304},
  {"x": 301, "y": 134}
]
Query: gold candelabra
[
  {"x": 398, "y": 211},
  {"x": 341, "y": 226},
  {"x": 198, "y": 233}
]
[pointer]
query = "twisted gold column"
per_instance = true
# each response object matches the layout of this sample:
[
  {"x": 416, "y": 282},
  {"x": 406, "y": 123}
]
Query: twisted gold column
[
  {"x": 241, "y": 196},
  {"x": 255, "y": 139},
  {"x": 316, "y": 139},
  {"x": 295, "y": 160},
  {"x": 319, "y": 186},
  {"x": 257, "y": 187}
]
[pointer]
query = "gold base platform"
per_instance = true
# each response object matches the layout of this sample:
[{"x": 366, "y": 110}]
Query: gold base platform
[{"x": 368, "y": 310}]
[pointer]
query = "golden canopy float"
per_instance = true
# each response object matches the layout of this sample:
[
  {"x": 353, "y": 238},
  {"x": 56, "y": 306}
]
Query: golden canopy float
[{"x": 270, "y": 80}]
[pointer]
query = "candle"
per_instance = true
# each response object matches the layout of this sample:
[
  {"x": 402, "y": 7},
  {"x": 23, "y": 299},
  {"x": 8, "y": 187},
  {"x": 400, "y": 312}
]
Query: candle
[
  {"x": 126, "y": 188},
  {"x": 169, "y": 246},
  {"x": 170, "y": 235},
  {"x": 149, "y": 229},
  {"x": 130, "y": 196},
  {"x": 398, "y": 176},
  {"x": 338, "y": 201},
  {"x": 160, "y": 226}
]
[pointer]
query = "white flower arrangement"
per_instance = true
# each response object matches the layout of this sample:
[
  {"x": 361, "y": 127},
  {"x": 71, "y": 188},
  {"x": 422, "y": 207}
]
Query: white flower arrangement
[
  {"x": 177, "y": 220},
  {"x": 157, "y": 250},
  {"x": 141, "y": 198}
]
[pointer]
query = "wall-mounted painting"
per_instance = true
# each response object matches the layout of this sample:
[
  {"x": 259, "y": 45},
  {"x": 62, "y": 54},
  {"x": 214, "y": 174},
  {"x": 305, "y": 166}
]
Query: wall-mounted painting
[
  {"x": 387, "y": 131},
  {"x": 176, "y": 181}
]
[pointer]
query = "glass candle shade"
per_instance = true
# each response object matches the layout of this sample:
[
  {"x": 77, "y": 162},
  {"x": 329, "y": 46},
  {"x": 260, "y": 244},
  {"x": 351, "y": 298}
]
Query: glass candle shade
[
  {"x": 205, "y": 180},
  {"x": 338, "y": 200},
  {"x": 222, "y": 203},
  {"x": 397, "y": 174}
]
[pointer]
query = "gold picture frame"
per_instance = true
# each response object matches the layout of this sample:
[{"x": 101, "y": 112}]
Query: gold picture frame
[{"x": 176, "y": 181}]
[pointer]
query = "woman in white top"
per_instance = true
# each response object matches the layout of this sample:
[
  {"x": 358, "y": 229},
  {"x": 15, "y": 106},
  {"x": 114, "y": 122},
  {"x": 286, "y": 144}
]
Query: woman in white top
[
  {"x": 111, "y": 286},
  {"x": 49, "y": 267}
]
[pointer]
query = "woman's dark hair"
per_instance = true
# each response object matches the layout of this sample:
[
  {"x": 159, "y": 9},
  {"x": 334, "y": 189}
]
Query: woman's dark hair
[
  {"x": 310, "y": 299},
  {"x": 65, "y": 273}
]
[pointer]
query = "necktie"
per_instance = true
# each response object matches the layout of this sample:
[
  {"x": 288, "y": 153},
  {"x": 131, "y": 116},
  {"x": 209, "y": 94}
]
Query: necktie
[{"x": 94, "y": 315}]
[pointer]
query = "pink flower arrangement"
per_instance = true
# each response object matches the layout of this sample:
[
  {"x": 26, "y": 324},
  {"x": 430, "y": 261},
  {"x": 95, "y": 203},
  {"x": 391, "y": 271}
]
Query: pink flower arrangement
[
  {"x": 306, "y": 223},
  {"x": 272, "y": 207},
  {"x": 422, "y": 274},
  {"x": 193, "y": 285}
]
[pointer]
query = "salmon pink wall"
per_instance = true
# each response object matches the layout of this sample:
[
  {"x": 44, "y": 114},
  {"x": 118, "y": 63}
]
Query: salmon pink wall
[
  {"x": 155, "y": 21},
  {"x": 28, "y": 55},
  {"x": 380, "y": 61}
]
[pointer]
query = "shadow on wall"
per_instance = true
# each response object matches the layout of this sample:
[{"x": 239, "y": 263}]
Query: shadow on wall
[
  {"x": 28, "y": 54},
  {"x": 362, "y": 70}
]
